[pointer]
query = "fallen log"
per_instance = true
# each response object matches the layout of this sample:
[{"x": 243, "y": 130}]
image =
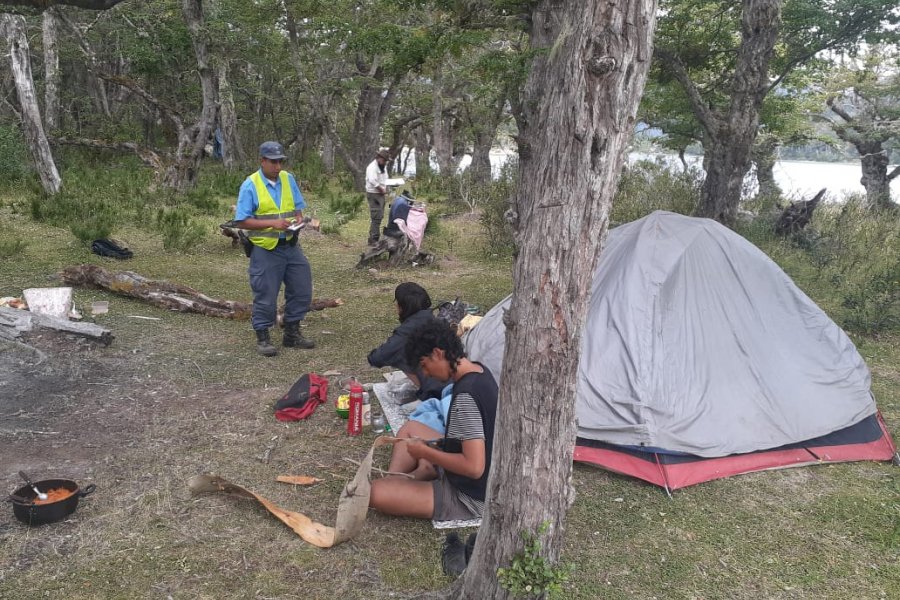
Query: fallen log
[
  {"x": 15, "y": 322},
  {"x": 173, "y": 296}
]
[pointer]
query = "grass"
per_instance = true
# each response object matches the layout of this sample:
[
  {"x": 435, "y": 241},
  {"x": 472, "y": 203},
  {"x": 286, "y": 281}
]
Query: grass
[{"x": 188, "y": 394}]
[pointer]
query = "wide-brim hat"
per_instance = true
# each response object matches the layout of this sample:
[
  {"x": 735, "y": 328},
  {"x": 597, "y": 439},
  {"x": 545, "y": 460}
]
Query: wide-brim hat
[{"x": 383, "y": 154}]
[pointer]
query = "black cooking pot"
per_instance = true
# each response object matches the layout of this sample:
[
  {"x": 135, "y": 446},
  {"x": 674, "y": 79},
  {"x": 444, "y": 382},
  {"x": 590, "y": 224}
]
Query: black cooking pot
[{"x": 37, "y": 514}]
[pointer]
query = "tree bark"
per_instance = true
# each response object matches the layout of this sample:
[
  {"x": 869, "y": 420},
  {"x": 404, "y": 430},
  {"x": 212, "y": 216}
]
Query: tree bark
[
  {"x": 232, "y": 152},
  {"x": 579, "y": 113},
  {"x": 423, "y": 152},
  {"x": 763, "y": 155},
  {"x": 50, "y": 35},
  {"x": 441, "y": 133},
  {"x": 13, "y": 28},
  {"x": 183, "y": 174}
]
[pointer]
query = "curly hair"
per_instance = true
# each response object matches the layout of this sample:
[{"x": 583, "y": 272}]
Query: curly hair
[
  {"x": 411, "y": 298},
  {"x": 431, "y": 335}
]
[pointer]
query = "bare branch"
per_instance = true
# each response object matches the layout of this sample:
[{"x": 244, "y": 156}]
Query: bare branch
[
  {"x": 703, "y": 113},
  {"x": 43, "y": 5}
]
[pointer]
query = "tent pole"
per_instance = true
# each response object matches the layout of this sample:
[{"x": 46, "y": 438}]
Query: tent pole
[{"x": 662, "y": 470}]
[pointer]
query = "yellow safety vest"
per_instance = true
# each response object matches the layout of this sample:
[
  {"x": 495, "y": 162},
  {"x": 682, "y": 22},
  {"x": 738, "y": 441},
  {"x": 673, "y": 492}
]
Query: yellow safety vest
[{"x": 268, "y": 238}]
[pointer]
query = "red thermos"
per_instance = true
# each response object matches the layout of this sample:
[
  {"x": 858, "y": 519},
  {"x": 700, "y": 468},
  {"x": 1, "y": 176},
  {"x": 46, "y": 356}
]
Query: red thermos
[{"x": 354, "y": 420}]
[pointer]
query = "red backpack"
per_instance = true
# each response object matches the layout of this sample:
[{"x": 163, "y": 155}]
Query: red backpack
[{"x": 302, "y": 399}]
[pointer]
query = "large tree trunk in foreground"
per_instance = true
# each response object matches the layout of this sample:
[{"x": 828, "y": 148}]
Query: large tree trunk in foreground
[
  {"x": 50, "y": 33},
  {"x": 13, "y": 28},
  {"x": 579, "y": 111}
]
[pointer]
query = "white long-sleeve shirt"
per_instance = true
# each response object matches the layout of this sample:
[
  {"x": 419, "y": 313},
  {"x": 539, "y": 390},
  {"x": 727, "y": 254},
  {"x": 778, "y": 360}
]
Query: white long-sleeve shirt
[{"x": 375, "y": 178}]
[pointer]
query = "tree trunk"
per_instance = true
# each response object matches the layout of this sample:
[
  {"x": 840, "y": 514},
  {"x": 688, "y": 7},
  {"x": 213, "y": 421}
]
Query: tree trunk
[
  {"x": 13, "y": 27},
  {"x": 423, "y": 152},
  {"x": 232, "y": 151},
  {"x": 50, "y": 31},
  {"x": 763, "y": 155},
  {"x": 579, "y": 113},
  {"x": 183, "y": 174},
  {"x": 328, "y": 155},
  {"x": 729, "y": 138},
  {"x": 874, "y": 159},
  {"x": 441, "y": 137}
]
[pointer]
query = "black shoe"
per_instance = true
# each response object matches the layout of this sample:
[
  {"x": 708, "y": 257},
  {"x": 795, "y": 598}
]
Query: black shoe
[
  {"x": 264, "y": 344},
  {"x": 453, "y": 555},
  {"x": 294, "y": 339}
]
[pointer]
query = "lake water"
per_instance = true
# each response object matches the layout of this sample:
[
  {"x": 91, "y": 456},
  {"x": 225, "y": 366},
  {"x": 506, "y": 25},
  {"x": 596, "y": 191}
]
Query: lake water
[{"x": 798, "y": 179}]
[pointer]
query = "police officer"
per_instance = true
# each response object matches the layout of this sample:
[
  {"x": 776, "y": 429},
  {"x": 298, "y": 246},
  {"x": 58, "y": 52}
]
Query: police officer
[{"x": 269, "y": 205}]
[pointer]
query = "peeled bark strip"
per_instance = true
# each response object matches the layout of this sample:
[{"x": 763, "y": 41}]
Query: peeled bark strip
[
  {"x": 13, "y": 28},
  {"x": 579, "y": 108},
  {"x": 352, "y": 506},
  {"x": 172, "y": 296}
]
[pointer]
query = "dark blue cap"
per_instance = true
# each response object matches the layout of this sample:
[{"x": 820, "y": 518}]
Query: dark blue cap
[{"x": 272, "y": 151}]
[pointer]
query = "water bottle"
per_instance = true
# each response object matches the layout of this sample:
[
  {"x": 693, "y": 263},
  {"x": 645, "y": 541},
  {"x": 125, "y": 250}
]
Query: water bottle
[{"x": 354, "y": 420}]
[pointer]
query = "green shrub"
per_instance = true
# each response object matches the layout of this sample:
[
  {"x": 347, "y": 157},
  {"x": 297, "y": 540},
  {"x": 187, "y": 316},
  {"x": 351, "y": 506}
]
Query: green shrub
[
  {"x": 530, "y": 574},
  {"x": 14, "y": 163},
  {"x": 88, "y": 218},
  {"x": 495, "y": 201},
  {"x": 178, "y": 229},
  {"x": 646, "y": 186},
  {"x": 856, "y": 254},
  {"x": 341, "y": 208},
  {"x": 10, "y": 246}
]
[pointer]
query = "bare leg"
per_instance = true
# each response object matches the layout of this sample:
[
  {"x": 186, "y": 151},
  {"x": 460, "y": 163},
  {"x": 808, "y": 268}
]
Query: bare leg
[
  {"x": 401, "y": 497},
  {"x": 401, "y": 461}
]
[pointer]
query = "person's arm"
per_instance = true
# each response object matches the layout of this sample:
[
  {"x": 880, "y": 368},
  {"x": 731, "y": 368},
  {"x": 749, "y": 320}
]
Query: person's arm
[
  {"x": 390, "y": 353},
  {"x": 468, "y": 463}
]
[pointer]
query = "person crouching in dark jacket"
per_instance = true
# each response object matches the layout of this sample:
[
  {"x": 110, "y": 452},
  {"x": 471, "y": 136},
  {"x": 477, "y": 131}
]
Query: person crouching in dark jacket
[{"x": 413, "y": 310}]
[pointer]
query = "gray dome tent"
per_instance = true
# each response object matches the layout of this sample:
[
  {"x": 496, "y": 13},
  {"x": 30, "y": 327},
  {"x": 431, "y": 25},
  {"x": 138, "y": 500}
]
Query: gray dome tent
[{"x": 698, "y": 348}]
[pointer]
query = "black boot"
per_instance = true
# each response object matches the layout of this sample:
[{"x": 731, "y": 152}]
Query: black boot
[
  {"x": 264, "y": 344},
  {"x": 294, "y": 339}
]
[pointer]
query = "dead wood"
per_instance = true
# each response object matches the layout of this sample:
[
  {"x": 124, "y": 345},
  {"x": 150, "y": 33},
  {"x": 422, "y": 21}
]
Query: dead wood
[
  {"x": 15, "y": 322},
  {"x": 172, "y": 296},
  {"x": 796, "y": 216}
]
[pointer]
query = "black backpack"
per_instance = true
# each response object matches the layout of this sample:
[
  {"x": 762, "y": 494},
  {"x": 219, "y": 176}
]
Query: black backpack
[{"x": 111, "y": 248}]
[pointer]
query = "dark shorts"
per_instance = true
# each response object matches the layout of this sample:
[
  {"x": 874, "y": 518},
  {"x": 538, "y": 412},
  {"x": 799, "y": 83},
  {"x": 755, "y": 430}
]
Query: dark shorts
[{"x": 447, "y": 505}]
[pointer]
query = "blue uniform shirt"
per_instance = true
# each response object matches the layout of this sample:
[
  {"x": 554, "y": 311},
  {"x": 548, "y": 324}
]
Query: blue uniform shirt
[{"x": 248, "y": 203}]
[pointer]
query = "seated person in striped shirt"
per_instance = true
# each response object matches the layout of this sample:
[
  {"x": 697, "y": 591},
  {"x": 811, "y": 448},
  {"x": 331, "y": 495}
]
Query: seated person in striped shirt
[{"x": 449, "y": 481}]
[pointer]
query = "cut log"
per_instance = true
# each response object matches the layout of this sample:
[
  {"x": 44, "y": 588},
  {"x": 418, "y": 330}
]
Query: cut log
[
  {"x": 173, "y": 296},
  {"x": 15, "y": 322}
]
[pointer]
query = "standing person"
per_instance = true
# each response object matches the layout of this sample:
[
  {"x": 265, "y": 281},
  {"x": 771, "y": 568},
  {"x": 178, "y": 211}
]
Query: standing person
[
  {"x": 449, "y": 483},
  {"x": 376, "y": 188},
  {"x": 269, "y": 203}
]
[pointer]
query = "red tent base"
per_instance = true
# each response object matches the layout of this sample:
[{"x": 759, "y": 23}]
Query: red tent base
[{"x": 867, "y": 440}]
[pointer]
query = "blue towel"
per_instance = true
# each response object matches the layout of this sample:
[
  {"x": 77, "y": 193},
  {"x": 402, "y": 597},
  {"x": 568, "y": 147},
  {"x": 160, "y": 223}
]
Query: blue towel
[{"x": 433, "y": 412}]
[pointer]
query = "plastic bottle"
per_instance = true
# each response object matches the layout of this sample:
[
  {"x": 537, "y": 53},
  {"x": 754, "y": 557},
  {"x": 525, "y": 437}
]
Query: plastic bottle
[
  {"x": 354, "y": 420},
  {"x": 387, "y": 429},
  {"x": 366, "y": 410}
]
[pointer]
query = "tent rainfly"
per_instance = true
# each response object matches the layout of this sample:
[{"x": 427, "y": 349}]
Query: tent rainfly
[{"x": 701, "y": 359}]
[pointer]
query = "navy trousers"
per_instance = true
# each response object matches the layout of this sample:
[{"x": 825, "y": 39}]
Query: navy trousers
[{"x": 268, "y": 270}]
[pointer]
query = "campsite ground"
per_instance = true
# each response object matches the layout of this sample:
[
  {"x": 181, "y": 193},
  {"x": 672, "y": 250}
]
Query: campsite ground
[{"x": 184, "y": 394}]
